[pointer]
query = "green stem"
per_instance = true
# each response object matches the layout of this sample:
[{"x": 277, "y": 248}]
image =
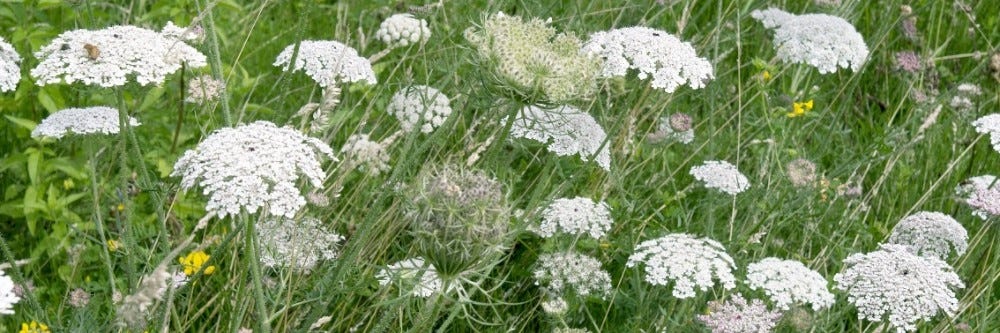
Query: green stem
[
  {"x": 254, "y": 262},
  {"x": 99, "y": 223},
  {"x": 216, "y": 66}
]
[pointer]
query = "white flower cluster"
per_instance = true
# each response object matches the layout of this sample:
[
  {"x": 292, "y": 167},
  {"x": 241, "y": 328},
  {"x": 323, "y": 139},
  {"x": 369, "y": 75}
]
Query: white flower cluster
[
  {"x": 982, "y": 193},
  {"x": 576, "y": 216},
  {"x": 656, "y": 54},
  {"x": 565, "y": 131},
  {"x": 97, "y": 119},
  {"x": 204, "y": 89},
  {"x": 252, "y": 166},
  {"x": 420, "y": 107},
  {"x": 327, "y": 62},
  {"x": 930, "y": 234},
  {"x": 367, "y": 155},
  {"x": 569, "y": 270},
  {"x": 412, "y": 273},
  {"x": 10, "y": 69},
  {"x": 107, "y": 57},
  {"x": 403, "y": 30},
  {"x": 297, "y": 244},
  {"x": 722, "y": 176},
  {"x": 556, "y": 306},
  {"x": 788, "y": 282},
  {"x": 819, "y": 40},
  {"x": 738, "y": 316},
  {"x": 687, "y": 261},
  {"x": 189, "y": 34},
  {"x": 7, "y": 295},
  {"x": 963, "y": 99},
  {"x": 989, "y": 124},
  {"x": 896, "y": 283}
]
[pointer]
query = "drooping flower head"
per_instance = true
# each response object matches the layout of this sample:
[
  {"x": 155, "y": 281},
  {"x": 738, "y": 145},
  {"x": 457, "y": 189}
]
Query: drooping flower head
[
  {"x": 7, "y": 295},
  {"x": 686, "y": 261},
  {"x": 534, "y": 59},
  {"x": 420, "y": 107},
  {"x": 576, "y": 217},
  {"x": 327, "y": 62},
  {"x": 109, "y": 57},
  {"x": 564, "y": 271},
  {"x": 253, "y": 166},
  {"x": 92, "y": 120},
  {"x": 982, "y": 193},
  {"x": 403, "y": 30},
  {"x": 895, "y": 284},
  {"x": 736, "y": 315},
  {"x": 819, "y": 40},
  {"x": 722, "y": 176},
  {"x": 930, "y": 234},
  {"x": 655, "y": 54},
  {"x": 298, "y": 244},
  {"x": 10, "y": 68},
  {"x": 989, "y": 124},
  {"x": 565, "y": 131},
  {"x": 788, "y": 282}
]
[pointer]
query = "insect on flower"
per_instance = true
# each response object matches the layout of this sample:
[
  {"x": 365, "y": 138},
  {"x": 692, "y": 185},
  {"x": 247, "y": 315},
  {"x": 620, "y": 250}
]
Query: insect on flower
[{"x": 92, "y": 51}]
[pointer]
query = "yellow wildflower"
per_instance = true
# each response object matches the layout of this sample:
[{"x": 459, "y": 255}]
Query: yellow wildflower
[
  {"x": 800, "y": 108},
  {"x": 34, "y": 327},
  {"x": 766, "y": 75},
  {"x": 120, "y": 207},
  {"x": 114, "y": 245},
  {"x": 193, "y": 261},
  {"x": 68, "y": 183}
]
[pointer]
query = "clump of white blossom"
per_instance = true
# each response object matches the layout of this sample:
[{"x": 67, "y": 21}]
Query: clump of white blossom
[
  {"x": 563, "y": 271},
  {"x": 533, "y": 58},
  {"x": 565, "y": 131},
  {"x": 7, "y": 296},
  {"x": 403, "y": 30},
  {"x": 989, "y": 124},
  {"x": 556, "y": 306},
  {"x": 655, "y": 54},
  {"x": 788, "y": 282},
  {"x": 736, "y": 315},
  {"x": 930, "y": 234},
  {"x": 362, "y": 153},
  {"x": 10, "y": 69},
  {"x": 982, "y": 193},
  {"x": 109, "y": 57},
  {"x": 576, "y": 216},
  {"x": 819, "y": 40},
  {"x": 299, "y": 244},
  {"x": 963, "y": 99},
  {"x": 893, "y": 283},
  {"x": 194, "y": 34},
  {"x": 722, "y": 176},
  {"x": 327, "y": 62},
  {"x": 414, "y": 275},
  {"x": 91, "y": 120},
  {"x": 253, "y": 166},
  {"x": 420, "y": 107},
  {"x": 204, "y": 89},
  {"x": 687, "y": 261}
]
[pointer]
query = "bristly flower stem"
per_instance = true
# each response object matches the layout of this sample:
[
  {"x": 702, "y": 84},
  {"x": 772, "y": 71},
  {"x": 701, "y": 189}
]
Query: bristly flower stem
[{"x": 253, "y": 260}]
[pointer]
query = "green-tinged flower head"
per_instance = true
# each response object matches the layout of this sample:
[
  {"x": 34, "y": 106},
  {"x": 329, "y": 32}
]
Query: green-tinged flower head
[{"x": 534, "y": 60}]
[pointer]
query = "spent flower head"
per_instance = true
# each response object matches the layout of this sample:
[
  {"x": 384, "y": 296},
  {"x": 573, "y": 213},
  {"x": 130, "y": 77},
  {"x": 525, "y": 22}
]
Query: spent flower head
[
  {"x": 420, "y": 107},
  {"x": 565, "y": 131},
  {"x": 204, "y": 89},
  {"x": 722, "y": 176},
  {"x": 736, "y": 315},
  {"x": 299, "y": 244},
  {"x": 655, "y": 54},
  {"x": 576, "y": 217},
  {"x": 563, "y": 271},
  {"x": 687, "y": 261},
  {"x": 930, "y": 234},
  {"x": 788, "y": 282},
  {"x": 109, "y": 57},
  {"x": 253, "y": 166},
  {"x": 819, "y": 40},
  {"x": 81, "y": 121},
  {"x": 10, "y": 68},
  {"x": 403, "y": 30},
  {"x": 327, "y": 62},
  {"x": 801, "y": 172},
  {"x": 361, "y": 153}
]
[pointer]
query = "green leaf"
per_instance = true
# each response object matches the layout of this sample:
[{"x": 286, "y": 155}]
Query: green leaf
[
  {"x": 34, "y": 165},
  {"x": 21, "y": 122},
  {"x": 47, "y": 101}
]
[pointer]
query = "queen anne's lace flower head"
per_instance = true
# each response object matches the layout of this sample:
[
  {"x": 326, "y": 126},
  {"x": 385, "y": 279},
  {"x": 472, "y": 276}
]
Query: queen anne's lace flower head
[
  {"x": 7, "y": 296},
  {"x": 819, "y": 40},
  {"x": 188, "y": 34},
  {"x": 417, "y": 276},
  {"x": 892, "y": 282},
  {"x": 576, "y": 216},
  {"x": 327, "y": 62},
  {"x": 721, "y": 176},
  {"x": 420, "y": 107},
  {"x": 297, "y": 244},
  {"x": 367, "y": 155},
  {"x": 403, "y": 30},
  {"x": 565, "y": 131},
  {"x": 562, "y": 271},
  {"x": 656, "y": 54},
  {"x": 687, "y": 261},
  {"x": 252, "y": 166},
  {"x": 930, "y": 234},
  {"x": 982, "y": 193},
  {"x": 204, "y": 89},
  {"x": 738, "y": 316},
  {"x": 990, "y": 124},
  {"x": 92, "y": 120},
  {"x": 10, "y": 69},
  {"x": 109, "y": 56},
  {"x": 788, "y": 282}
]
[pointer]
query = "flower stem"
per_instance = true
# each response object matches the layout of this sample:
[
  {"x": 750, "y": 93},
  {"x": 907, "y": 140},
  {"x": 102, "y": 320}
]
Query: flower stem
[{"x": 254, "y": 262}]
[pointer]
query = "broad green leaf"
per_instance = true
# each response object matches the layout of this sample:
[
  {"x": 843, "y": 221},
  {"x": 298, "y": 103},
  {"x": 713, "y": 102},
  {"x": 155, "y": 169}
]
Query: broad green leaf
[{"x": 21, "y": 122}]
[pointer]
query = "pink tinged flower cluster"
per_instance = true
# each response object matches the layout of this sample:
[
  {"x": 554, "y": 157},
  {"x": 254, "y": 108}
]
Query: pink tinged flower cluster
[
  {"x": 254, "y": 166},
  {"x": 690, "y": 263},
  {"x": 982, "y": 193},
  {"x": 329, "y": 63},
  {"x": 739, "y": 316},
  {"x": 655, "y": 54}
]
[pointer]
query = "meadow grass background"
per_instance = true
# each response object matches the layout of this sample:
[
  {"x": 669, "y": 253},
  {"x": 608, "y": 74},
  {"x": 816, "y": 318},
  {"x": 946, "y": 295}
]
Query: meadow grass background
[{"x": 864, "y": 128}]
